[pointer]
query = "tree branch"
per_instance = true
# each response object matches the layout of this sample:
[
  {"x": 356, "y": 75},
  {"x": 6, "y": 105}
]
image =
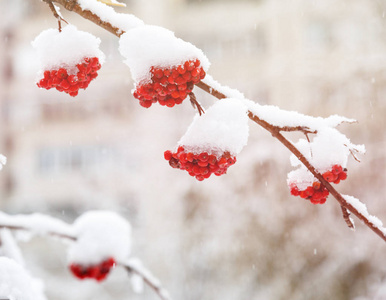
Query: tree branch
[
  {"x": 72, "y": 5},
  {"x": 146, "y": 276}
]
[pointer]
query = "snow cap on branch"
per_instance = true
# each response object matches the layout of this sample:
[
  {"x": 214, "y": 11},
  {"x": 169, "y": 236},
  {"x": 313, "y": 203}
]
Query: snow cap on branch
[
  {"x": 17, "y": 284},
  {"x": 153, "y": 46},
  {"x": 109, "y": 15},
  {"x": 67, "y": 48},
  {"x": 224, "y": 127},
  {"x": 100, "y": 235},
  {"x": 37, "y": 223}
]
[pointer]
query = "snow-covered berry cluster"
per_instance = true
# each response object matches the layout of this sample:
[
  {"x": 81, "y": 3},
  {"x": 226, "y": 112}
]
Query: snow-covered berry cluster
[
  {"x": 69, "y": 59},
  {"x": 317, "y": 193},
  {"x": 169, "y": 86},
  {"x": 65, "y": 80},
  {"x": 200, "y": 165},
  {"x": 97, "y": 272}
]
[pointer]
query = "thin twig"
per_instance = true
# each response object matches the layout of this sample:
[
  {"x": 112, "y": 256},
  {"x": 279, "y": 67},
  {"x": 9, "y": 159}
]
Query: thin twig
[
  {"x": 346, "y": 217},
  {"x": 51, "y": 233},
  {"x": 56, "y": 14},
  {"x": 195, "y": 103},
  {"x": 72, "y": 5}
]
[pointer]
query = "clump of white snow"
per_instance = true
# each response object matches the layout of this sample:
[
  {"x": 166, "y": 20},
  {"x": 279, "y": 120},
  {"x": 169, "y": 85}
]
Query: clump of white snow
[
  {"x": 107, "y": 14},
  {"x": 148, "y": 46},
  {"x": 301, "y": 178},
  {"x": 100, "y": 235},
  {"x": 9, "y": 247},
  {"x": 329, "y": 147},
  {"x": 17, "y": 284},
  {"x": 3, "y": 161},
  {"x": 66, "y": 49},
  {"x": 224, "y": 127}
]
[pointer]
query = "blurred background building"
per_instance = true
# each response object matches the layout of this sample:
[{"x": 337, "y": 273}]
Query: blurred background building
[{"x": 240, "y": 236}]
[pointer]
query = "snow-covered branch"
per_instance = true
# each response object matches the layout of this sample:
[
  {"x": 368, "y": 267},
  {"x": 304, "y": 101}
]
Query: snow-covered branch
[
  {"x": 98, "y": 242},
  {"x": 169, "y": 86}
]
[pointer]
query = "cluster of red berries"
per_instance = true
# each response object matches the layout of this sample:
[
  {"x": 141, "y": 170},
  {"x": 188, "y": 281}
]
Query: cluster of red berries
[
  {"x": 71, "y": 83},
  {"x": 98, "y": 272},
  {"x": 318, "y": 193},
  {"x": 200, "y": 165},
  {"x": 170, "y": 86}
]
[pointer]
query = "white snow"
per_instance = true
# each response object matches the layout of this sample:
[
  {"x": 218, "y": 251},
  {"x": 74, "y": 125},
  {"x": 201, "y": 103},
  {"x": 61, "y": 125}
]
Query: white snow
[
  {"x": 362, "y": 209},
  {"x": 301, "y": 178},
  {"x": 276, "y": 116},
  {"x": 9, "y": 247},
  {"x": 224, "y": 127},
  {"x": 3, "y": 161},
  {"x": 137, "y": 268},
  {"x": 100, "y": 235},
  {"x": 38, "y": 224},
  {"x": 148, "y": 46},
  {"x": 17, "y": 284},
  {"x": 107, "y": 14},
  {"x": 66, "y": 48},
  {"x": 329, "y": 147}
]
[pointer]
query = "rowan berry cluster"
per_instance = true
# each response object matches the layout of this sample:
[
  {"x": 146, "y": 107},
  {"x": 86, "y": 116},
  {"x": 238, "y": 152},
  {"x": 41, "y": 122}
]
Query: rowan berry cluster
[
  {"x": 97, "y": 272},
  {"x": 64, "y": 81},
  {"x": 200, "y": 165},
  {"x": 318, "y": 193},
  {"x": 170, "y": 86}
]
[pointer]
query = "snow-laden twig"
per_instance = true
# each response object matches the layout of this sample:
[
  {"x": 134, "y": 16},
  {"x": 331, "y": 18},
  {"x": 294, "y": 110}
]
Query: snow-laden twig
[
  {"x": 37, "y": 224},
  {"x": 134, "y": 266},
  {"x": 88, "y": 235},
  {"x": 265, "y": 116}
]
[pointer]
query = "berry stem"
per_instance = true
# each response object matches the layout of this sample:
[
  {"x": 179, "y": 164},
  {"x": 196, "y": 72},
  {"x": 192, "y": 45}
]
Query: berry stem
[
  {"x": 196, "y": 104},
  {"x": 56, "y": 15}
]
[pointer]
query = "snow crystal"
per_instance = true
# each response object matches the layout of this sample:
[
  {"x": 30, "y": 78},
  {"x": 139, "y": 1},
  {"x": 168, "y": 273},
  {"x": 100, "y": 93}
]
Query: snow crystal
[
  {"x": 148, "y": 46},
  {"x": 107, "y": 14},
  {"x": 17, "y": 284},
  {"x": 362, "y": 209},
  {"x": 67, "y": 48},
  {"x": 224, "y": 127},
  {"x": 100, "y": 235},
  {"x": 3, "y": 161},
  {"x": 38, "y": 224}
]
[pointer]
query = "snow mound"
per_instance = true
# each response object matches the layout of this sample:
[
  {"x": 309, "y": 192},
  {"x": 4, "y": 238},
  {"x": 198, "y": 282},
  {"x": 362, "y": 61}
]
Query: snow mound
[
  {"x": 100, "y": 235},
  {"x": 152, "y": 46},
  {"x": 67, "y": 48},
  {"x": 224, "y": 127}
]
